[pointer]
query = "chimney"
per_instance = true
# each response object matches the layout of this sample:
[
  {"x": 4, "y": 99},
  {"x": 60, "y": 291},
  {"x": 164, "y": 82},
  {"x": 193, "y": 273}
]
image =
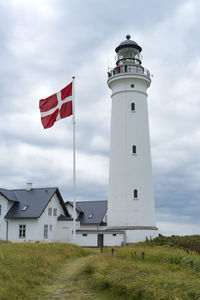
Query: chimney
[{"x": 29, "y": 186}]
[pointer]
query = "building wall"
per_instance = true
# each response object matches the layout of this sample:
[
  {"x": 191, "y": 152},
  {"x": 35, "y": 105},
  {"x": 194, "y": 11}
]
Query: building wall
[
  {"x": 88, "y": 241},
  {"x": 5, "y": 206},
  {"x": 130, "y": 171},
  {"x": 114, "y": 240},
  {"x": 134, "y": 236},
  {"x": 64, "y": 232},
  {"x": 91, "y": 239},
  {"x": 57, "y": 230},
  {"x": 92, "y": 227},
  {"x": 32, "y": 230},
  {"x": 51, "y": 221}
]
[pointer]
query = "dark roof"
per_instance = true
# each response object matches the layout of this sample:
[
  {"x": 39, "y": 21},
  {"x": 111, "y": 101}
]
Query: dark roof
[
  {"x": 93, "y": 212},
  {"x": 64, "y": 218},
  {"x": 128, "y": 43},
  {"x": 77, "y": 205},
  {"x": 9, "y": 194},
  {"x": 31, "y": 203}
]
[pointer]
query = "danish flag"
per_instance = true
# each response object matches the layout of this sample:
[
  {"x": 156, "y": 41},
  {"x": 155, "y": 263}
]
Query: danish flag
[{"x": 56, "y": 107}]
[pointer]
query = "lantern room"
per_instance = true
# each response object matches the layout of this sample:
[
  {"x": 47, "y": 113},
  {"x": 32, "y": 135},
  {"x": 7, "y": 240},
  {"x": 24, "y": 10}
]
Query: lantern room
[{"x": 128, "y": 53}]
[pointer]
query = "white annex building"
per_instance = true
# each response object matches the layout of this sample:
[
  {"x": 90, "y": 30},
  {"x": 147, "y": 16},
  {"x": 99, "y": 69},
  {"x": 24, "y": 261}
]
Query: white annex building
[{"x": 40, "y": 214}]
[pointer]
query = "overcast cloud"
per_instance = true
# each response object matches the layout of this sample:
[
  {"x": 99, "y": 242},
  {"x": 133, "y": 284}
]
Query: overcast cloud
[{"x": 46, "y": 42}]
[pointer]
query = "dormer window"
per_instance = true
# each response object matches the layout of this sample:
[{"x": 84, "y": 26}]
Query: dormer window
[{"x": 25, "y": 208}]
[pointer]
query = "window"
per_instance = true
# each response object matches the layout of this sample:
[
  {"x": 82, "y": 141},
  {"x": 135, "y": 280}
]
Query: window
[
  {"x": 135, "y": 194},
  {"x": 114, "y": 234},
  {"x": 22, "y": 231},
  {"x": 90, "y": 216},
  {"x": 0, "y": 209},
  {"x": 25, "y": 208},
  {"x": 84, "y": 234},
  {"x": 50, "y": 227},
  {"x": 50, "y": 211},
  {"x": 132, "y": 106},
  {"x": 134, "y": 149},
  {"x": 45, "y": 231},
  {"x": 55, "y": 212}
]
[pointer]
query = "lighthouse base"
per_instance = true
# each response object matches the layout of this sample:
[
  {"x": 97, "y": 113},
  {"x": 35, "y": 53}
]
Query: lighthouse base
[{"x": 134, "y": 234}]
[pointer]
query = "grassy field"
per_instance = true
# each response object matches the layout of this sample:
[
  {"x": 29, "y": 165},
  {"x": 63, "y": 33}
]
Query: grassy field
[
  {"x": 158, "y": 269},
  {"x": 25, "y": 268}
]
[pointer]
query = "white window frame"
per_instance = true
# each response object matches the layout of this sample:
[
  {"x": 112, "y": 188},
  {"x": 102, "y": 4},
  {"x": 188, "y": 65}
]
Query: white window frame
[
  {"x": 45, "y": 231},
  {"x": 55, "y": 211},
  {"x": 22, "y": 231},
  {"x": 50, "y": 211}
]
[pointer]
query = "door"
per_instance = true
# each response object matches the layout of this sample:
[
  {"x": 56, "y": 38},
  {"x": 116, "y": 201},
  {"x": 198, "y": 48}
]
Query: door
[{"x": 100, "y": 240}]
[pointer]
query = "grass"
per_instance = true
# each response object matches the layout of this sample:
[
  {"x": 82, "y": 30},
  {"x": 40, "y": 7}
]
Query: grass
[
  {"x": 59, "y": 271},
  {"x": 164, "y": 273},
  {"x": 25, "y": 268}
]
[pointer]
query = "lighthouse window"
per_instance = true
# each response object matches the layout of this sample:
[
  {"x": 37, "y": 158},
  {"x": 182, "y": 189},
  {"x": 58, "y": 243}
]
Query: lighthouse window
[
  {"x": 134, "y": 149},
  {"x": 135, "y": 194},
  {"x": 132, "y": 106},
  {"x": 132, "y": 85}
]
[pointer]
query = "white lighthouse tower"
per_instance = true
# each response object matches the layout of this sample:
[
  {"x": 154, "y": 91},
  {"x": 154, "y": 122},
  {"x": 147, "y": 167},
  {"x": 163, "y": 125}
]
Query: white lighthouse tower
[{"x": 130, "y": 200}]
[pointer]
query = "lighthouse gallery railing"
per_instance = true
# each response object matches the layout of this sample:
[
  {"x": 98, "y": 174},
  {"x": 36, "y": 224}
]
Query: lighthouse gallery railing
[{"x": 128, "y": 69}]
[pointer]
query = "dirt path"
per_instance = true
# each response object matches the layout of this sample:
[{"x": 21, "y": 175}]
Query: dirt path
[{"x": 67, "y": 285}]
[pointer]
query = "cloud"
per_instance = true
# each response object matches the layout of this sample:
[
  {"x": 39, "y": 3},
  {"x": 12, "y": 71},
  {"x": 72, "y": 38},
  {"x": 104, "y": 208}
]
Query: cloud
[{"x": 44, "y": 43}]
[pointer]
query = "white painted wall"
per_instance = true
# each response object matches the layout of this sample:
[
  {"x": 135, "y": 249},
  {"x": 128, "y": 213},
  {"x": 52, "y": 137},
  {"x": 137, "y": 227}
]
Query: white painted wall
[
  {"x": 92, "y": 227},
  {"x": 52, "y": 220},
  {"x": 32, "y": 230},
  {"x": 61, "y": 230},
  {"x": 88, "y": 241},
  {"x": 127, "y": 171},
  {"x": 91, "y": 240},
  {"x": 134, "y": 236},
  {"x": 5, "y": 206},
  {"x": 111, "y": 240}
]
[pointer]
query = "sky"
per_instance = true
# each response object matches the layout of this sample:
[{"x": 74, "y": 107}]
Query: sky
[{"x": 46, "y": 42}]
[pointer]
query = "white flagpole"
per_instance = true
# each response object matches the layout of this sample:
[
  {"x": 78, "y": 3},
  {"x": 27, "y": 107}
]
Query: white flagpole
[{"x": 74, "y": 162}]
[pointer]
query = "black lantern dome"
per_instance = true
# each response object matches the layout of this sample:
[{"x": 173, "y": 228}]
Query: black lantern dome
[{"x": 128, "y": 52}]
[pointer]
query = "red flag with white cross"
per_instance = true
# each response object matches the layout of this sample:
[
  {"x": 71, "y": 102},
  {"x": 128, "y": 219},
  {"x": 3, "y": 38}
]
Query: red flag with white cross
[{"x": 56, "y": 107}]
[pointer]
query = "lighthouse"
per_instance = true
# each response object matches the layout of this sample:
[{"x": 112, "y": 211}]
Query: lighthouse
[{"x": 131, "y": 205}]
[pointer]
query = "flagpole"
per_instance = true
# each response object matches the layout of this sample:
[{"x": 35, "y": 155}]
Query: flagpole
[{"x": 74, "y": 162}]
